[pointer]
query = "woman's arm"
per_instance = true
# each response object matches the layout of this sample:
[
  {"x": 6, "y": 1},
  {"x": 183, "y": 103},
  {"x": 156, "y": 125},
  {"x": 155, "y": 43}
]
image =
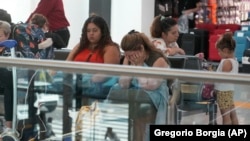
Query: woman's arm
[
  {"x": 125, "y": 81},
  {"x": 73, "y": 53},
  {"x": 197, "y": 8},
  {"x": 111, "y": 56},
  {"x": 46, "y": 43},
  {"x": 153, "y": 83},
  {"x": 175, "y": 49},
  {"x": 227, "y": 66}
]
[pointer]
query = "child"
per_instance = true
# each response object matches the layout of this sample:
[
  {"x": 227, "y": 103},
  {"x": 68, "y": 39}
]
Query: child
[
  {"x": 42, "y": 22},
  {"x": 225, "y": 91},
  {"x": 6, "y": 76},
  {"x": 5, "y": 31}
]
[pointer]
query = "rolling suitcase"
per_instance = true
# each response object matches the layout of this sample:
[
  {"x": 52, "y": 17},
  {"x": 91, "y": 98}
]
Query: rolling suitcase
[
  {"x": 231, "y": 27},
  {"x": 245, "y": 28},
  {"x": 212, "y": 51},
  {"x": 242, "y": 43},
  {"x": 203, "y": 34},
  {"x": 190, "y": 43},
  {"x": 207, "y": 26},
  {"x": 246, "y": 61}
]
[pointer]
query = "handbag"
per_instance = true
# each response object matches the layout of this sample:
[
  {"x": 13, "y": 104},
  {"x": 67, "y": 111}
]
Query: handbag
[
  {"x": 86, "y": 119},
  {"x": 208, "y": 92}
]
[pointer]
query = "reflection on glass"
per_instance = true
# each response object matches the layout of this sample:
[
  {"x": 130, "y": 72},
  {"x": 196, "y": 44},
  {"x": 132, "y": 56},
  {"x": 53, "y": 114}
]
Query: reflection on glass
[{"x": 46, "y": 98}]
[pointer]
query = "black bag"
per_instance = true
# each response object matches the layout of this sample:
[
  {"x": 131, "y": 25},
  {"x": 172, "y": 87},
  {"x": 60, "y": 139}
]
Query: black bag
[
  {"x": 246, "y": 53},
  {"x": 190, "y": 43},
  {"x": 204, "y": 36},
  {"x": 246, "y": 63}
]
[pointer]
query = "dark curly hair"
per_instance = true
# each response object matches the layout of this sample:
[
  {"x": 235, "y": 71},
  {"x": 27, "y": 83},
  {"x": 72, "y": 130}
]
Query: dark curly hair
[{"x": 161, "y": 24}]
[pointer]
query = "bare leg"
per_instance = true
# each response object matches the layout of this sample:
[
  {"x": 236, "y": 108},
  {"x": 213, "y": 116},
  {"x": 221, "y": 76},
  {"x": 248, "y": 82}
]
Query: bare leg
[
  {"x": 233, "y": 116},
  {"x": 226, "y": 118}
]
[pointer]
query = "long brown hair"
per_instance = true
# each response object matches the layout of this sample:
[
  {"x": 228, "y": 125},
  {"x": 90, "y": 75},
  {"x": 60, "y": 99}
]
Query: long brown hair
[
  {"x": 105, "y": 37},
  {"x": 133, "y": 41}
]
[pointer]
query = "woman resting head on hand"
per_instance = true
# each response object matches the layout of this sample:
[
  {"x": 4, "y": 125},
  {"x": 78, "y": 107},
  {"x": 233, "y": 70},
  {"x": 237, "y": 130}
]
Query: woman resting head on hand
[{"x": 139, "y": 51}]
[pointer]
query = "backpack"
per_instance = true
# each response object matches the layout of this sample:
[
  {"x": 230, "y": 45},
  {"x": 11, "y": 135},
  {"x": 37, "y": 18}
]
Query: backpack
[
  {"x": 208, "y": 91},
  {"x": 28, "y": 36}
]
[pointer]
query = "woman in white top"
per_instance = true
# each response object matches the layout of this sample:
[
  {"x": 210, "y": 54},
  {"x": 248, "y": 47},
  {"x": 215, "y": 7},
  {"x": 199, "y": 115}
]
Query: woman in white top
[
  {"x": 165, "y": 33},
  {"x": 225, "y": 91}
]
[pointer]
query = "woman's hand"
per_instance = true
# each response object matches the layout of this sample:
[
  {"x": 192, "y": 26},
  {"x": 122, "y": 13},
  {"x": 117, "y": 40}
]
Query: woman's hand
[{"x": 136, "y": 58}]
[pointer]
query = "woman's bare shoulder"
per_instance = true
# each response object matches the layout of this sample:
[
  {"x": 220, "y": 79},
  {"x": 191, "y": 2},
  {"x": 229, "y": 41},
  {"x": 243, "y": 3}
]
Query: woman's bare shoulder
[{"x": 114, "y": 47}]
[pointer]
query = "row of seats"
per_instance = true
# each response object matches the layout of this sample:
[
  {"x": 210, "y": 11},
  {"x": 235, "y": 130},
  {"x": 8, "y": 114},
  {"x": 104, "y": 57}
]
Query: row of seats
[{"x": 189, "y": 99}]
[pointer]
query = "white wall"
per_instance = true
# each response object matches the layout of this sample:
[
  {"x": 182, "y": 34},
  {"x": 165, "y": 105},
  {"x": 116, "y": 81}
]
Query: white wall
[
  {"x": 77, "y": 11},
  {"x": 131, "y": 14},
  {"x": 19, "y": 9},
  {"x": 125, "y": 15}
]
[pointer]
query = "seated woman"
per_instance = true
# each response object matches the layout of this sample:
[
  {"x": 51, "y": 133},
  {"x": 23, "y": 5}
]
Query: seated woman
[
  {"x": 95, "y": 46},
  {"x": 139, "y": 51},
  {"x": 165, "y": 34}
]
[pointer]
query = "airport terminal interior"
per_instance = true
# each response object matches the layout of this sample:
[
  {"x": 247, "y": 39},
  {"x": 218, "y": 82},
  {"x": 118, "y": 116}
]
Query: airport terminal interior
[{"x": 56, "y": 100}]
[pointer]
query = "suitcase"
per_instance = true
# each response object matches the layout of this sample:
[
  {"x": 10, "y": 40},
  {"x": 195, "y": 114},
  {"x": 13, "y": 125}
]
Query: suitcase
[
  {"x": 190, "y": 43},
  {"x": 245, "y": 28},
  {"x": 246, "y": 61},
  {"x": 246, "y": 53},
  {"x": 242, "y": 44},
  {"x": 231, "y": 27},
  {"x": 212, "y": 51},
  {"x": 204, "y": 35},
  {"x": 207, "y": 26},
  {"x": 240, "y": 33}
]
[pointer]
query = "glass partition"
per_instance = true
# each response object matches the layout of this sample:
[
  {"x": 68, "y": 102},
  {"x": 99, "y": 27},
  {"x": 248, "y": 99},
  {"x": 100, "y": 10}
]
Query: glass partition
[{"x": 61, "y": 100}]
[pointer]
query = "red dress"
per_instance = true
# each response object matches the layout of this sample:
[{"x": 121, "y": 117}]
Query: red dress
[{"x": 87, "y": 55}]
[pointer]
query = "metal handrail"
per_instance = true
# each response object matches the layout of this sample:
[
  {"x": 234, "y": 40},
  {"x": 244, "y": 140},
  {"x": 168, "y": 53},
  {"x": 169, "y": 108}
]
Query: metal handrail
[{"x": 83, "y": 67}]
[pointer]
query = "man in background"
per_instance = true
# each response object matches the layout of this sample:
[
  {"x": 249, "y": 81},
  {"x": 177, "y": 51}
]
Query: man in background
[{"x": 188, "y": 7}]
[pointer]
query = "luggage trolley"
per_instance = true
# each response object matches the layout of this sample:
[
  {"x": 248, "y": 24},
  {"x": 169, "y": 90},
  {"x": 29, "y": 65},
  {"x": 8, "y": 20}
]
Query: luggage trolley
[{"x": 12, "y": 135}]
